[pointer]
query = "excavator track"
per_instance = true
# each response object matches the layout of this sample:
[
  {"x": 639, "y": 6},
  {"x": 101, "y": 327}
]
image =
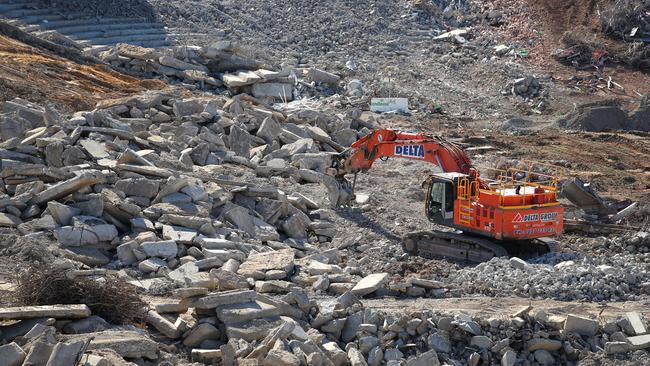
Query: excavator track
[{"x": 459, "y": 246}]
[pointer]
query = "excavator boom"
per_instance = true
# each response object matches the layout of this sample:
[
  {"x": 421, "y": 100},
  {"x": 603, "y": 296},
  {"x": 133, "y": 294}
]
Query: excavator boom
[{"x": 385, "y": 143}]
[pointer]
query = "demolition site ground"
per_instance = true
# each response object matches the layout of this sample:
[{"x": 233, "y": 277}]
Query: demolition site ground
[{"x": 166, "y": 200}]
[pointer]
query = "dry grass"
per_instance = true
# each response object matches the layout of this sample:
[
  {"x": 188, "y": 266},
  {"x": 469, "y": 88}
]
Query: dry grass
[
  {"x": 111, "y": 298},
  {"x": 621, "y": 16}
]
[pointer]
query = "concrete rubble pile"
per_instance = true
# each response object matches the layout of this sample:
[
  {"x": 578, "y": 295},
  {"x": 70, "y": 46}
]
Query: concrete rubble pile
[
  {"x": 246, "y": 327},
  {"x": 562, "y": 276},
  {"x": 216, "y": 67},
  {"x": 147, "y": 187},
  {"x": 199, "y": 202}
]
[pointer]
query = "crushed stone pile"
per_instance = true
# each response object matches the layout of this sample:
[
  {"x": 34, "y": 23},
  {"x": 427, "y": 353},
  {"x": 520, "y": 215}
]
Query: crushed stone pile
[{"x": 562, "y": 276}]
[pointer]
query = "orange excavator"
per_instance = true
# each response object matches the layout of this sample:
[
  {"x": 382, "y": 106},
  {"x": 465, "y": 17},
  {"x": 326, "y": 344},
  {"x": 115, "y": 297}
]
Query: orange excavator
[{"x": 516, "y": 211}]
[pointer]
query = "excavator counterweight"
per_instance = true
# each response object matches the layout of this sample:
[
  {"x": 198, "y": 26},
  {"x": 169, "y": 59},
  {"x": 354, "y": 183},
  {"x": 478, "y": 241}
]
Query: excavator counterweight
[{"x": 517, "y": 207}]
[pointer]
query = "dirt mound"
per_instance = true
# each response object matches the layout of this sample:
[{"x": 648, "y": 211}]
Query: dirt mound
[
  {"x": 640, "y": 119},
  {"x": 517, "y": 124},
  {"x": 16, "y": 248},
  {"x": 41, "y": 76},
  {"x": 596, "y": 119},
  {"x": 607, "y": 116}
]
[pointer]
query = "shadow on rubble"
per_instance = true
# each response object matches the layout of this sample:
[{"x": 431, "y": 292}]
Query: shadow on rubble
[
  {"x": 102, "y": 8},
  {"x": 355, "y": 215}
]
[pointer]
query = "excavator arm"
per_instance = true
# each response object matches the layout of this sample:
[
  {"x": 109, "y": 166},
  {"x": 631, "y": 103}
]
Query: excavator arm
[{"x": 385, "y": 143}]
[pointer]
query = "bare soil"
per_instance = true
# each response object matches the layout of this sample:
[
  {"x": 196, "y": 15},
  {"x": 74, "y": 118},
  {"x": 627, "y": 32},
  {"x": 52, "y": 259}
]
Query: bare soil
[{"x": 40, "y": 76}]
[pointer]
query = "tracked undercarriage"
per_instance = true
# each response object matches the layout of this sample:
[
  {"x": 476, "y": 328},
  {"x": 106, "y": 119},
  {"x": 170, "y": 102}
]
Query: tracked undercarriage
[{"x": 466, "y": 247}]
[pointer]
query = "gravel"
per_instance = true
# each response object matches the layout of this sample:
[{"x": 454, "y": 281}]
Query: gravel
[{"x": 561, "y": 276}]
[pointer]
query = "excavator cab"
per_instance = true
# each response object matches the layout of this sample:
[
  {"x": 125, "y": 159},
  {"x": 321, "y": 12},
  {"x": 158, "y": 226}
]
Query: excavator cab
[{"x": 441, "y": 194}]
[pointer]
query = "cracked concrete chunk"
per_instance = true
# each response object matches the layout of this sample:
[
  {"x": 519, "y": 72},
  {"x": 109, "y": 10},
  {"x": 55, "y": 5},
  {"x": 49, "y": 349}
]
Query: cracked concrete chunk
[
  {"x": 50, "y": 311},
  {"x": 581, "y": 325},
  {"x": 179, "y": 234},
  {"x": 85, "y": 234},
  {"x": 261, "y": 262},
  {"x": 161, "y": 249},
  {"x": 8, "y": 220},
  {"x": 370, "y": 284},
  {"x": 128, "y": 344},
  {"x": 61, "y": 213},
  {"x": 217, "y": 299},
  {"x": 64, "y": 188},
  {"x": 11, "y": 354},
  {"x": 241, "y": 312},
  {"x": 66, "y": 353}
]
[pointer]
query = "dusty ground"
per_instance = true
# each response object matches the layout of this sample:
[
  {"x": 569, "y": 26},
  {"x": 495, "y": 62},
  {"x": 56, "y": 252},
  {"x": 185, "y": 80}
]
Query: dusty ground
[{"x": 469, "y": 92}]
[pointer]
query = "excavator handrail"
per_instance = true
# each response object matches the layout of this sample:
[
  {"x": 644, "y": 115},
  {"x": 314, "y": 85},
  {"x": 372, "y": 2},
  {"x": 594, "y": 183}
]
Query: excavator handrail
[{"x": 550, "y": 183}]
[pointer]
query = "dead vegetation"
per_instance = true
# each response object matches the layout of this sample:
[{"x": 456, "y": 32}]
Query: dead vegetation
[
  {"x": 621, "y": 17},
  {"x": 111, "y": 298},
  {"x": 71, "y": 86}
]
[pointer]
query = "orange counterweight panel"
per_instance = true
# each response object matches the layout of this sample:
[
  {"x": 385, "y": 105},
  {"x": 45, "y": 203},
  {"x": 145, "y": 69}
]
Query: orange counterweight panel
[{"x": 523, "y": 222}]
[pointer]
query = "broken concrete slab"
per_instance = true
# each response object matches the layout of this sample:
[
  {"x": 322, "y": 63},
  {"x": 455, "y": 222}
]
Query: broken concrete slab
[
  {"x": 200, "y": 333},
  {"x": 217, "y": 299},
  {"x": 179, "y": 234},
  {"x": 580, "y": 325},
  {"x": 277, "y": 357},
  {"x": 164, "y": 326},
  {"x": 544, "y": 343},
  {"x": 85, "y": 234},
  {"x": 175, "y": 63},
  {"x": 370, "y": 284},
  {"x": 616, "y": 347},
  {"x": 137, "y": 52},
  {"x": 89, "y": 256},
  {"x": 639, "y": 342},
  {"x": 246, "y": 311},
  {"x": 277, "y": 91},
  {"x": 261, "y": 262},
  {"x": 61, "y": 213},
  {"x": 141, "y": 187},
  {"x": 69, "y": 186},
  {"x": 50, "y": 311},
  {"x": 11, "y": 355},
  {"x": 427, "y": 284},
  {"x": 181, "y": 274},
  {"x": 161, "y": 249},
  {"x": 39, "y": 353},
  {"x": 128, "y": 344},
  {"x": 66, "y": 353},
  {"x": 8, "y": 220},
  {"x": 321, "y": 76},
  {"x": 635, "y": 322},
  {"x": 242, "y": 78}
]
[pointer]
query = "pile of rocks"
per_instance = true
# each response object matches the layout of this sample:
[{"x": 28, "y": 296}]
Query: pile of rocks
[
  {"x": 560, "y": 276},
  {"x": 632, "y": 243},
  {"x": 241, "y": 327},
  {"x": 216, "y": 67},
  {"x": 145, "y": 168}
]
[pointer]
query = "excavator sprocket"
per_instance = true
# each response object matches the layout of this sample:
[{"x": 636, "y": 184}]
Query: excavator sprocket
[{"x": 440, "y": 244}]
